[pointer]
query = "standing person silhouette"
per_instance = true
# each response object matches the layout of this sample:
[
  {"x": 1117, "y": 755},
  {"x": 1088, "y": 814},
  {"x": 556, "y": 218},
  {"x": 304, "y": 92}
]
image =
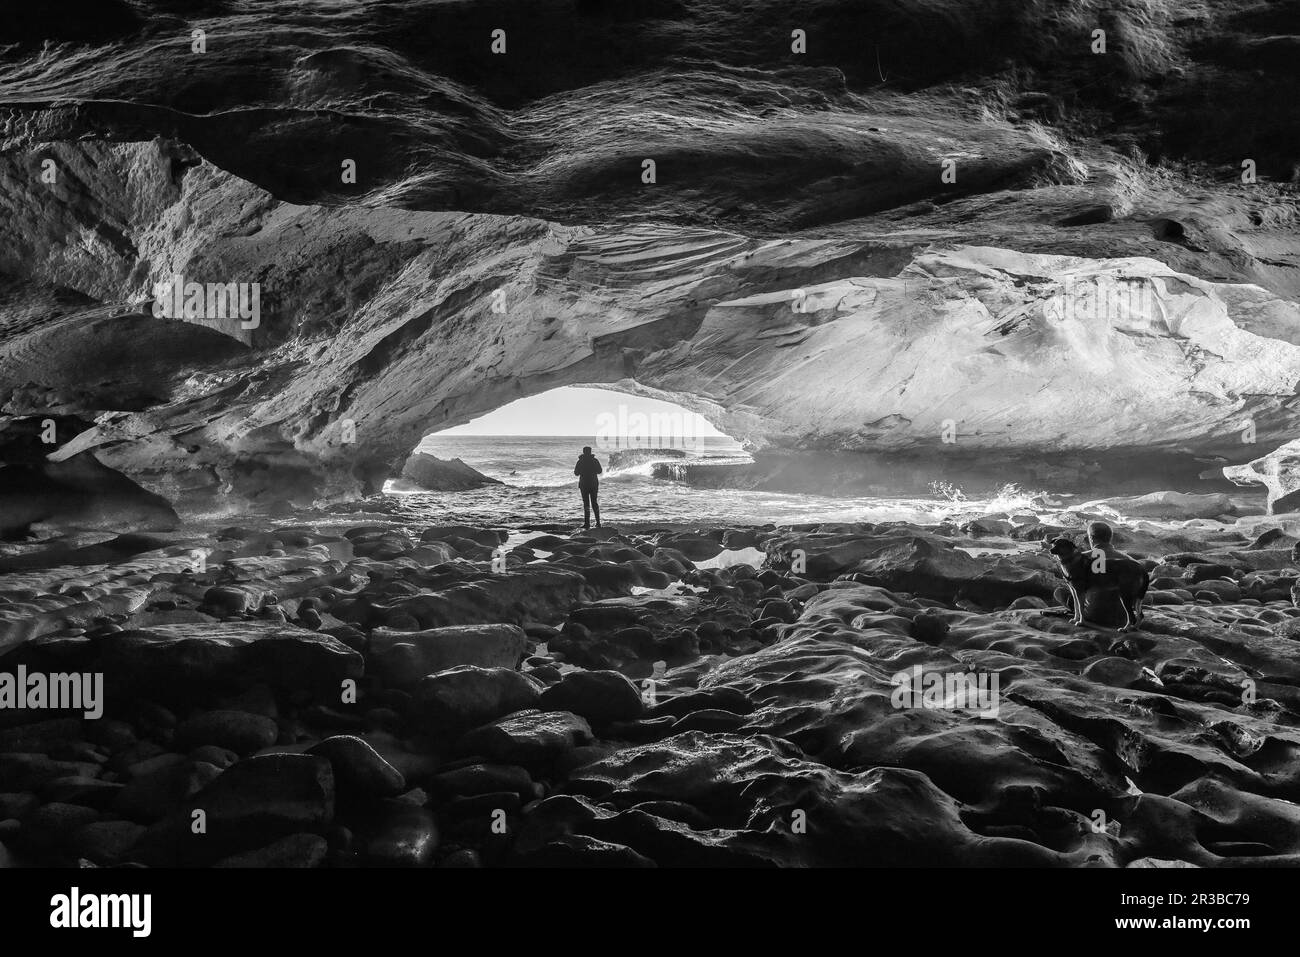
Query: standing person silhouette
[{"x": 587, "y": 470}]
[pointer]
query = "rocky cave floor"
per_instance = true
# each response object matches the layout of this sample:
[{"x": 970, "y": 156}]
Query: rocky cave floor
[{"x": 517, "y": 716}]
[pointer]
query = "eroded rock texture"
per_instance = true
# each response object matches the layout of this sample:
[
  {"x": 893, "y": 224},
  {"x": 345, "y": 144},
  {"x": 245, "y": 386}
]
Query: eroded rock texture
[
  {"x": 945, "y": 228},
  {"x": 800, "y": 271},
  {"x": 619, "y": 704}
]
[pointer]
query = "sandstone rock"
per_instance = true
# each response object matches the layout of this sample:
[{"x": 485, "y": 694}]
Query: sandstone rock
[
  {"x": 487, "y": 537},
  {"x": 523, "y": 594},
  {"x": 359, "y": 771},
  {"x": 78, "y": 492},
  {"x": 431, "y": 473},
  {"x": 257, "y": 801},
  {"x": 176, "y": 660},
  {"x": 453, "y": 701},
  {"x": 1278, "y": 471},
  {"x": 475, "y": 779},
  {"x": 1165, "y": 505},
  {"x": 598, "y": 696},
  {"x": 529, "y": 738},
  {"x": 440, "y": 649}
]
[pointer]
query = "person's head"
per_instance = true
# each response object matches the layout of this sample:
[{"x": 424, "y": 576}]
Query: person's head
[
  {"x": 586, "y": 450},
  {"x": 1099, "y": 533}
]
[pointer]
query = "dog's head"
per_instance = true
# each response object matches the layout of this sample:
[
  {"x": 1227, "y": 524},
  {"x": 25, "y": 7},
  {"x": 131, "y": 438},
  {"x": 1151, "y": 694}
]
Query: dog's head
[{"x": 1062, "y": 548}]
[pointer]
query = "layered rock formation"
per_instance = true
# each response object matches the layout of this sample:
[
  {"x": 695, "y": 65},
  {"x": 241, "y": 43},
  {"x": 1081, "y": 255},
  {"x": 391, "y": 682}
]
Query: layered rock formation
[
  {"x": 800, "y": 271},
  {"x": 251, "y": 253},
  {"x": 1278, "y": 472},
  {"x": 425, "y": 471},
  {"x": 392, "y": 344}
]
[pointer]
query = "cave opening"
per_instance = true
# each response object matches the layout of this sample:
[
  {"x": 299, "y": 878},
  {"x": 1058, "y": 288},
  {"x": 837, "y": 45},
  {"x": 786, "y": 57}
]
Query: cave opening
[{"x": 534, "y": 441}]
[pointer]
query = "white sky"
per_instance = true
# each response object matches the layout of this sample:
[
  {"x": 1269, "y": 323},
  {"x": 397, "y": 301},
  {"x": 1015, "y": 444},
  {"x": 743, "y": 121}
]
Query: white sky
[{"x": 569, "y": 410}]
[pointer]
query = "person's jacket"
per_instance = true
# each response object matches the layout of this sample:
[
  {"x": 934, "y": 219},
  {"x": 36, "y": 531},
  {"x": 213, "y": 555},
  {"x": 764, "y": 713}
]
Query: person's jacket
[
  {"x": 587, "y": 469},
  {"x": 1114, "y": 554}
]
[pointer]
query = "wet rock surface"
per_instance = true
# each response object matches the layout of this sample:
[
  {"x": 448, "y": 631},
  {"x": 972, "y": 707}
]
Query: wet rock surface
[{"x": 732, "y": 715}]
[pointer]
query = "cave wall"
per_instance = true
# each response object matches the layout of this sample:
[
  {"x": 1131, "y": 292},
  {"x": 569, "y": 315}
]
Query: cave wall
[
  {"x": 799, "y": 271},
  {"x": 403, "y": 322}
]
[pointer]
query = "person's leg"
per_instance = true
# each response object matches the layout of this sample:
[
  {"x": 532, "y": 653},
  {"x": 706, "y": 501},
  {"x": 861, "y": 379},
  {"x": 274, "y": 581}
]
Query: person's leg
[
  {"x": 595, "y": 505},
  {"x": 586, "y": 508}
]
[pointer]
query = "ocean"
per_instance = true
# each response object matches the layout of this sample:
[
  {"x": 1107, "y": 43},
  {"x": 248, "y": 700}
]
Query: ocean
[{"x": 540, "y": 489}]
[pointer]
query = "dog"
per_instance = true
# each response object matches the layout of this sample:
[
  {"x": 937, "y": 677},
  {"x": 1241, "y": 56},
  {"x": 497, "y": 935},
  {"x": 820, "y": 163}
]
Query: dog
[
  {"x": 1092, "y": 571},
  {"x": 1074, "y": 566}
]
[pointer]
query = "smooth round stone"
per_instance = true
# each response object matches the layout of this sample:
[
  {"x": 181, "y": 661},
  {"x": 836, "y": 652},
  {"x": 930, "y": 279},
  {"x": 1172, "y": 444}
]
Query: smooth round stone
[
  {"x": 358, "y": 768},
  {"x": 598, "y": 696},
  {"x": 461, "y": 698}
]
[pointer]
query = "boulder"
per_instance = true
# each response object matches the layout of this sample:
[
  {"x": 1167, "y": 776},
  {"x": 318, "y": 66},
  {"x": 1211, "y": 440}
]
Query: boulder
[
  {"x": 598, "y": 696},
  {"x": 252, "y": 803},
  {"x": 1165, "y": 505},
  {"x": 530, "y": 738},
  {"x": 407, "y": 656},
  {"x": 78, "y": 492},
  {"x": 175, "y": 662},
  {"x": 1279, "y": 473},
  {"x": 455, "y": 700},
  {"x": 359, "y": 770},
  {"x": 433, "y": 474}
]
